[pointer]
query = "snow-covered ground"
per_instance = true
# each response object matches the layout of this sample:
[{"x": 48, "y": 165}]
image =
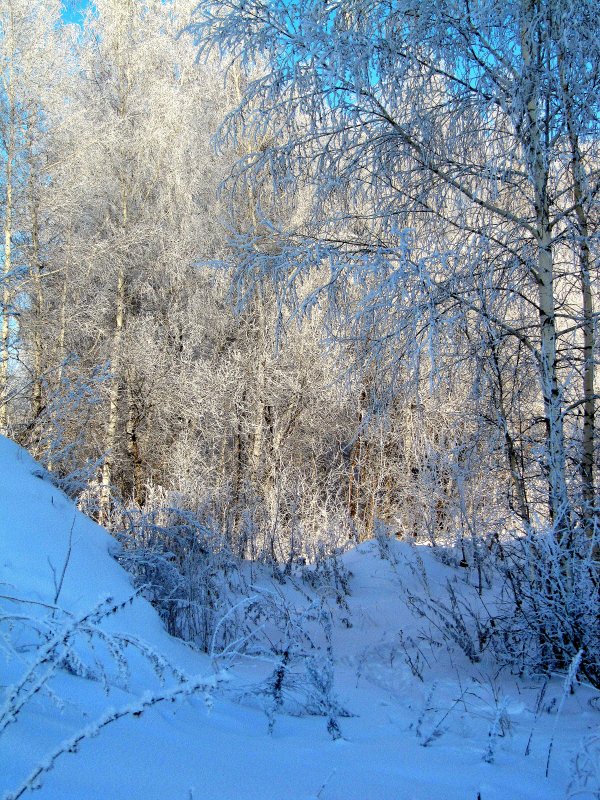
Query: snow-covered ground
[{"x": 423, "y": 722}]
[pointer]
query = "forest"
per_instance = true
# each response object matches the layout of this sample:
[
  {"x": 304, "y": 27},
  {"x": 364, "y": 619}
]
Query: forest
[{"x": 282, "y": 277}]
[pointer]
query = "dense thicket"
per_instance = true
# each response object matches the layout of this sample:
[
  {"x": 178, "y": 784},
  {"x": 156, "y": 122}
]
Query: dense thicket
[{"x": 124, "y": 366}]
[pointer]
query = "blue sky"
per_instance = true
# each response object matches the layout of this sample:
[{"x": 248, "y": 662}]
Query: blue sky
[{"x": 74, "y": 10}]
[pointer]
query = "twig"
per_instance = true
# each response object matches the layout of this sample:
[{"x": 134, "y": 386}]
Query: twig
[
  {"x": 135, "y": 709},
  {"x": 58, "y": 587}
]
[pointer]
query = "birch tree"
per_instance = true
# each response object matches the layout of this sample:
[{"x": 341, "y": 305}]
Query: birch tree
[{"x": 30, "y": 69}]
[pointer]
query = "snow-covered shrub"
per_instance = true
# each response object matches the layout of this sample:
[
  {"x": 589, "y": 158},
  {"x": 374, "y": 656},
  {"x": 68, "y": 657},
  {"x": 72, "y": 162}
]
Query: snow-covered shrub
[
  {"x": 198, "y": 586},
  {"x": 585, "y": 783},
  {"x": 78, "y": 643},
  {"x": 532, "y": 599},
  {"x": 549, "y": 607},
  {"x": 184, "y": 569},
  {"x": 295, "y": 641},
  {"x": 207, "y": 596},
  {"x": 453, "y": 611}
]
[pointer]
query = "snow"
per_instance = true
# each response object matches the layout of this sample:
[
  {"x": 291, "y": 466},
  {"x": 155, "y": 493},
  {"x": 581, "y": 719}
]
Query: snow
[{"x": 458, "y": 732}]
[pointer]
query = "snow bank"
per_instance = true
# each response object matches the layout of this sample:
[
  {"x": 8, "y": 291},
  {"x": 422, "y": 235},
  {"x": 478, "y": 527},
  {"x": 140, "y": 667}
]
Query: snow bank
[{"x": 427, "y": 724}]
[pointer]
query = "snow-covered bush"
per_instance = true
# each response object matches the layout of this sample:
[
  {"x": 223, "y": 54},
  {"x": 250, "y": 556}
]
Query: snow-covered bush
[
  {"x": 549, "y": 606},
  {"x": 204, "y": 595},
  {"x": 452, "y": 612},
  {"x": 294, "y": 641},
  {"x": 184, "y": 569},
  {"x": 532, "y": 600}
]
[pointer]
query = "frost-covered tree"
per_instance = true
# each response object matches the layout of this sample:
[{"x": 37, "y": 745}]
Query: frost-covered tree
[
  {"x": 32, "y": 91},
  {"x": 148, "y": 178},
  {"x": 452, "y": 178}
]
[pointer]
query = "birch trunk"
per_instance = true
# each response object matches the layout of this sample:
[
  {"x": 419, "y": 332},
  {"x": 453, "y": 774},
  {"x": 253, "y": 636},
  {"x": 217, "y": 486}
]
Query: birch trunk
[
  {"x": 114, "y": 397},
  {"x": 10, "y": 146},
  {"x": 534, "y": 142},
  {"x": 555, "y": 447},
  {"x": 37, "y": 403},
  {"x": 588, "y": 434}
]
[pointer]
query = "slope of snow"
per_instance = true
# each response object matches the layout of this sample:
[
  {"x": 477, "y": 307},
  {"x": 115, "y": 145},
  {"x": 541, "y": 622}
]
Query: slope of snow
[{"x": 420, "y": 732}]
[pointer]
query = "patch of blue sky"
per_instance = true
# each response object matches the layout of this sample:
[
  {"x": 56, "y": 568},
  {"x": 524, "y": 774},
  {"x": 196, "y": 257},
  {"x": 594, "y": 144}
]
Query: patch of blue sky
[{"x": 75, "y": 10}]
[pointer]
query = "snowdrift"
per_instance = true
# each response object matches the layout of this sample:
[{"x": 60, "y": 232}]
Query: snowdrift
[{"x": 424, "y": 722}]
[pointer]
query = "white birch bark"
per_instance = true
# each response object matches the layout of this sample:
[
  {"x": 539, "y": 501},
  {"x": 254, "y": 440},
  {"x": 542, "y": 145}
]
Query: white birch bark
[
  {"x": 10, "y": 146},
  {"x": 538, "y": 160}
]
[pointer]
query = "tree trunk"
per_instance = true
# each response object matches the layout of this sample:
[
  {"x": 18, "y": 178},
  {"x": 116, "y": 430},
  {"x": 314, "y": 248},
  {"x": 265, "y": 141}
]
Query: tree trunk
[
  {"x": 114, "y": 397},
  {"x": 534, "y": 140},
  {"x": 133, "y": 448},
  {"x": 555, "y": 446},
  {"x": 38, "y": 305},
  {"x": 10, "y": 146}
]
